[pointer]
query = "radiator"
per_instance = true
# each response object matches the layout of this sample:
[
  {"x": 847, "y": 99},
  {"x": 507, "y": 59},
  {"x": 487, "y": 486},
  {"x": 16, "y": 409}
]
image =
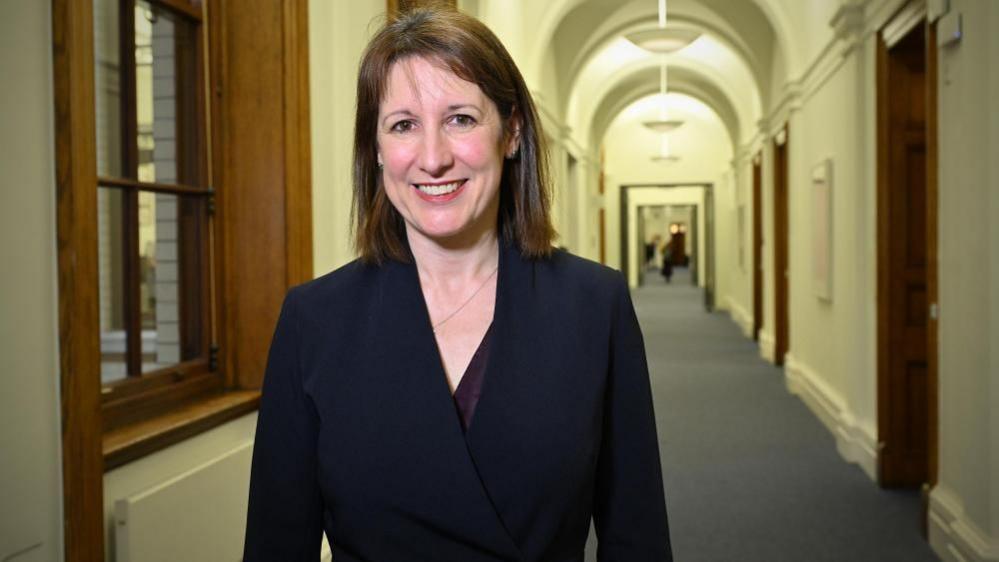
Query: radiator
[
  {"x": 197, "y": 516},
  {"x": 200, "y": 515}
]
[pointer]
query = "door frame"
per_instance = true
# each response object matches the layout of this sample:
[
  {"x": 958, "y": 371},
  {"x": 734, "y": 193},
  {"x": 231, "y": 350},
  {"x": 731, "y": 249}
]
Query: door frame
[
  {"x": 757, "y": 239},
  {"x": 782, "y": 343},
  {"x": 709, "y": 250},
  {"x": 932, "y": 267}
]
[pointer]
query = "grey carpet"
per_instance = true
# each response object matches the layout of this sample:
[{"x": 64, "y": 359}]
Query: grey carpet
[{"x": 750, "y": 473}]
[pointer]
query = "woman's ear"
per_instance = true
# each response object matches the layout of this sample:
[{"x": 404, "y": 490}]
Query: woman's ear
[{"x": 513, "y": 142}]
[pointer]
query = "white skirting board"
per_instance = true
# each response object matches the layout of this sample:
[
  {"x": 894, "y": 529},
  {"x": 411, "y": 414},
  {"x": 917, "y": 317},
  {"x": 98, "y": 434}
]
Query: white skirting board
[
  {"x": 739, "y": 315},
  {"x": 852, "y": 442},
  {"x": 953, "y": 536},
  {"x": 199, "y": 515}
]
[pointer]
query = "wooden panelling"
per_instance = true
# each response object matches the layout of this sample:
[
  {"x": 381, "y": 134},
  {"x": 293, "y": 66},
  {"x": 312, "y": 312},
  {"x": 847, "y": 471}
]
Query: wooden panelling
[
  {"x": 79, "y": 316},
  {"x": 297, "y": 147},
  {"x": 260, "y": 75}
]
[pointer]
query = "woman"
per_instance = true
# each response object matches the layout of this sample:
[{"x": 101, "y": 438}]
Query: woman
[{"x": 462, "y": 392}]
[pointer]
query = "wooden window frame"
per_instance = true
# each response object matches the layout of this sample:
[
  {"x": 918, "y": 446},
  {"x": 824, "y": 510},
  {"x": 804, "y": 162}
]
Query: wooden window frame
[
  {"x": 144, "y": 395},
  {"x": 262, "y": 195}
]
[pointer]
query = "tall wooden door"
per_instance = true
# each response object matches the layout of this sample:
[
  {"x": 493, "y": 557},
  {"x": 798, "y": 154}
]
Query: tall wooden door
[
  {"x": 781, "y": 343},
  {"x": 639, "y": 247},
  {"x": 904, "y": 392},
  {"x": 757, "y": 245},
  {"x": 678, "y": 249}
]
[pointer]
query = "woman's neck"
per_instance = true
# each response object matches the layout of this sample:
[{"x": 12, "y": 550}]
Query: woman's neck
[{"x": 450, "y": 266}]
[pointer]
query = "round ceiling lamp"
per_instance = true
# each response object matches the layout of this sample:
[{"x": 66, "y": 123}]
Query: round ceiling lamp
[
  {"x": 663, "y": 125},
  {"x": 665, "y": 158},
  {"x": 662, "y": 41}
]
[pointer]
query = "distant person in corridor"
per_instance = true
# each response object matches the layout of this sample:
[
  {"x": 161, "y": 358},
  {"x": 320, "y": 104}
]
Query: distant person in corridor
[{"x": 463, "y": 391}]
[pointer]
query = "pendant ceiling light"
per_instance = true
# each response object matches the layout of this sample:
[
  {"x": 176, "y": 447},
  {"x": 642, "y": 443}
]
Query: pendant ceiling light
[
  {"x": 663, "y": 124},
  {"x": 661, "y": 40}
]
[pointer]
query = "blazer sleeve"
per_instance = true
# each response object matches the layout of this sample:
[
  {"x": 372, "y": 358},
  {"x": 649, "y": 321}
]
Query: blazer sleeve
[
  {"x": 630, "y": 506},
  {"x": 284, "y": 518}
]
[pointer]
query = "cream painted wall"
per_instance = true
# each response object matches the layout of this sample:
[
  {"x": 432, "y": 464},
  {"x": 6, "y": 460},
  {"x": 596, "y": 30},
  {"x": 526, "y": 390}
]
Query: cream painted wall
[
  {"x": 338, "y": 33},
  {"x": 831, "y": 340},
  {"x": 807, "y": 23},
  {"x": 731, "y": 276},
  {"x": 30, "y": 473},
  {"x": 969, "y": 274}
]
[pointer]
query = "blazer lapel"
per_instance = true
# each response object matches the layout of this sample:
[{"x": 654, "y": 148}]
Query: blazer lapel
[
  {"x": 506, "y": 415},
  {"x": 406, "y": 358}
]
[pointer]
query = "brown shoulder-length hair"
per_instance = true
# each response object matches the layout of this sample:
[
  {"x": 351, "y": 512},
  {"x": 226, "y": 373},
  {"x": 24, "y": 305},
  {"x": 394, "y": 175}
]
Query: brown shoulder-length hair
[{"x": 472, "y": 52}]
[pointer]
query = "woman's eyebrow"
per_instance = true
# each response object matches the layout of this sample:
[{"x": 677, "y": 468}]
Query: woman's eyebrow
[
  {"x": 403, "y": 112},
  {"x": 457, "y": 106}
]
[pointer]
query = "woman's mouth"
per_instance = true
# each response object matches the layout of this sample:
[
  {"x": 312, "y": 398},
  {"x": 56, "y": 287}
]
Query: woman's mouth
[{"x": 439, "y": 191}]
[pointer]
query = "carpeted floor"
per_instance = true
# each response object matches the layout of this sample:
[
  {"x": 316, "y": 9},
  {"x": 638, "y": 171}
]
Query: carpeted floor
[{"x": 750, "y": 473}]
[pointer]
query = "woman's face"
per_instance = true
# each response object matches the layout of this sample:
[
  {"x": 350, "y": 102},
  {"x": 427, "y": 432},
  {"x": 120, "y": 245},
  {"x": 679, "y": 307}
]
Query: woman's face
[{"x": 441, "y": 142}]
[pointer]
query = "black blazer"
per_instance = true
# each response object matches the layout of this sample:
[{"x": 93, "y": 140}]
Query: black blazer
[{"x": 358, "y": 434}]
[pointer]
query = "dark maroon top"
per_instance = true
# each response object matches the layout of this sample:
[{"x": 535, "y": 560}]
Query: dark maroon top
[{"x": 466, "y": 396}]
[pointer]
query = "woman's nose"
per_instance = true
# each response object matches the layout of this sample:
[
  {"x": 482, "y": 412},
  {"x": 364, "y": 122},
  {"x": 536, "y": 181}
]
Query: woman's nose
[{"x": 435, "y": 153}]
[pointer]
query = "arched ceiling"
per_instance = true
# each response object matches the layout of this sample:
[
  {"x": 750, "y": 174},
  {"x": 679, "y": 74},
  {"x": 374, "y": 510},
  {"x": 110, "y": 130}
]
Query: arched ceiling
[
  {"x": 622, "y": 60},
  {"x": 581, "y": 60},
  {"x": 644, "y": 83},
  {"x": 701, "y": 144}
]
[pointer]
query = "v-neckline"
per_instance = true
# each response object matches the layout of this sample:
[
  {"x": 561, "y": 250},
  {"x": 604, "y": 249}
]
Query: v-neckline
[
  {"x": 442, "y": 370},
  {"x": 466, "y": 395}
]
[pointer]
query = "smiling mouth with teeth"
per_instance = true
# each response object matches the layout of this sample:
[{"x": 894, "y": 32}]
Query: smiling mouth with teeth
[{"x": 439, "y": 189}]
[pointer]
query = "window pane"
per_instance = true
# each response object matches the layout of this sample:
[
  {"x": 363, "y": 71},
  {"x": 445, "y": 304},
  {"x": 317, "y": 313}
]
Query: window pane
[
  {"x": 171, "y": 273},
  {"x": 165, "y": 82},
  {"x": 111, "y": 267},
  {"x": 107, "y": 88}
]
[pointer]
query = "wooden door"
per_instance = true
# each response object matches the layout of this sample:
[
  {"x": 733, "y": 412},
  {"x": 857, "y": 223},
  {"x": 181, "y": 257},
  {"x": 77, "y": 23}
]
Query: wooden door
[
  {"x": 781, "y": 343},
  {"x": 678, "y": 249},
  {"x": 602, "y": 222},
  {"x": 903, "y": 304},
  {"x": 639, "y": 247},
  {"x": 757, "y": 245}
]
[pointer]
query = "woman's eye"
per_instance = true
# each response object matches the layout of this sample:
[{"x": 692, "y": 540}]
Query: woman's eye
[
  {"x": 462, "y": 120},
  {"x": 402, "y": 126}
]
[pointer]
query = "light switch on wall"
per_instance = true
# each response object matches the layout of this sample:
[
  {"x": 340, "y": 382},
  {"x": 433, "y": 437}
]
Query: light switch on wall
[{"x": 949, "y": 29}]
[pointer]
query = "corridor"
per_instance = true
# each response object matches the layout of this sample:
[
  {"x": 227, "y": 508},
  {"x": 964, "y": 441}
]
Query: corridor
[
  {"x": 828, "y": 168},
  {"x": 750, "y": 473}
]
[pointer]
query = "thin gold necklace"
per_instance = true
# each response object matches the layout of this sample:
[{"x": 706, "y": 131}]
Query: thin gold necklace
[{"x": 468, "y": 300}]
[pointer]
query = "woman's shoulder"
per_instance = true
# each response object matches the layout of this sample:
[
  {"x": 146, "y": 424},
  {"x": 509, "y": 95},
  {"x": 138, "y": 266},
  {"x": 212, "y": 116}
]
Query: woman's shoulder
[
  {"x": 565, "y": 263},
  {"x": 341, "y": 288}
]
